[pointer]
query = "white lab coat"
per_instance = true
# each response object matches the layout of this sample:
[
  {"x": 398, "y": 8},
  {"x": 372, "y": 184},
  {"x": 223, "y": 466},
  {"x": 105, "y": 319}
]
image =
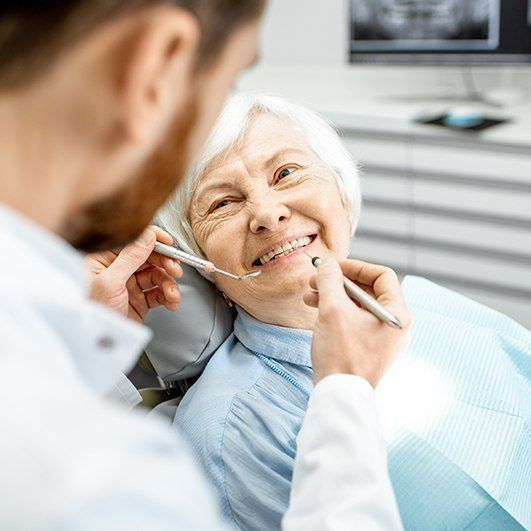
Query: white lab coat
[{"x": 70, "y": 459}]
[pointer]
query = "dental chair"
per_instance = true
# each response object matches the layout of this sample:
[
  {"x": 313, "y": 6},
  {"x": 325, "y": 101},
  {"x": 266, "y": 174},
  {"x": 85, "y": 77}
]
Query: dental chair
[
  {"x": 479, "y": 397},
  {"x": 183, "y": 341}
]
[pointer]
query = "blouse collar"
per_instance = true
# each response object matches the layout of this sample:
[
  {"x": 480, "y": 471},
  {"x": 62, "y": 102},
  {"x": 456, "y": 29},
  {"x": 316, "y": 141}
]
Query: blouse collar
[{"x": 278, "y": 342}]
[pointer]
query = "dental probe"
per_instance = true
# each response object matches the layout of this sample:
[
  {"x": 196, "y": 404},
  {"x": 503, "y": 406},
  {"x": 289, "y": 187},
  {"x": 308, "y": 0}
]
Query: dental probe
[
  {"x": 356, "y": 293},
  {"x": 199, "y": 263}
]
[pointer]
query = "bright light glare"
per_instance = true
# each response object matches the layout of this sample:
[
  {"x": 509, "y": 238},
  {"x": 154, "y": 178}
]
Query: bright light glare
[{"x": 413, "y": 395}]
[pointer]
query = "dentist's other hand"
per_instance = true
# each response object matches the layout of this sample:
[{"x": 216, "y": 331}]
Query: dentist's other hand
[
  {"x": 135, "y": 279},
  {"x": 348, "y": 339}
]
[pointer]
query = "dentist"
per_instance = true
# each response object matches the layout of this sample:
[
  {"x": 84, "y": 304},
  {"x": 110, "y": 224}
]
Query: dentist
[{"x": 103, "y": 103}]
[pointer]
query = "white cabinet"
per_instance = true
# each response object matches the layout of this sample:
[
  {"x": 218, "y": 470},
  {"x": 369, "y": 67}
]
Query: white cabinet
[
  {"x": 454, "y": 210},
  {"x": 475, "y": 198},
  {"x": 468, "y": 158},
  {"x": 378, "y": 152},
  {"x": 474, "y": 234}
]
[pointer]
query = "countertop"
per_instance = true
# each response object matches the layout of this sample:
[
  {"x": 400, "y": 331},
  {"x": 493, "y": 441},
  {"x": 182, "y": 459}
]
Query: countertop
[{"x": 387, "y": 101}]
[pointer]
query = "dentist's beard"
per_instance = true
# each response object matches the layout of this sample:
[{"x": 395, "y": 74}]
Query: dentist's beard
[{"x": 119, "y": 219}]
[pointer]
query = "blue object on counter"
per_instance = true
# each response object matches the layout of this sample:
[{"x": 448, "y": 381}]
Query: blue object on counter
[{"x": 462, "y": 117}]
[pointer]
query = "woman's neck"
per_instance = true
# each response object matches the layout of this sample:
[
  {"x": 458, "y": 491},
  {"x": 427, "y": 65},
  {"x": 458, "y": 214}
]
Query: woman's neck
[{"x": 289, "y": 313}]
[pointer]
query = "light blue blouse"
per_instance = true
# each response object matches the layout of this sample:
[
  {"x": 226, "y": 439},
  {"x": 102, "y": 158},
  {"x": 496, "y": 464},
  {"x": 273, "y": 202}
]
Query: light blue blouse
[{"x": 459, "y": 446}]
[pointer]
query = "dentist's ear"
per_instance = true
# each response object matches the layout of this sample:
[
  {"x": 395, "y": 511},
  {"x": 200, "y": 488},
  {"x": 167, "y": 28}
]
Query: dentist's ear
[{"x": 155, "y": 68}]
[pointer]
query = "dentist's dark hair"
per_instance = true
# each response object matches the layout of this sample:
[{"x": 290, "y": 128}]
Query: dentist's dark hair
[{"x": 34, "y": 33}]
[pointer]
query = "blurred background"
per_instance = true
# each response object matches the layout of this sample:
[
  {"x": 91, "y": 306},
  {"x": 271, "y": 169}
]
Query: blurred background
[{"x": 433, "y": 98}]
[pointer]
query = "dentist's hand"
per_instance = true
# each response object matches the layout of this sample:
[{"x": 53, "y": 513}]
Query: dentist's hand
[
  {"x": 348, "y": 339},
  {"x": 135, "y": 279}
]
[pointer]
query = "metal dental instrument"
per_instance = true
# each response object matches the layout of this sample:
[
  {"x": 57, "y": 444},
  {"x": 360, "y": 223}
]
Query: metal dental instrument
[
  {"x": 199, "y": 263},
  {"x": 356, "y": 293}
]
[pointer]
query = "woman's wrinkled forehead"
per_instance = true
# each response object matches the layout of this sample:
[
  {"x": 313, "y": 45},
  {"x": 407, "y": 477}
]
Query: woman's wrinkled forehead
[
  {"x": 266, "y": 134},
  {"x": 267, "y": 138}
]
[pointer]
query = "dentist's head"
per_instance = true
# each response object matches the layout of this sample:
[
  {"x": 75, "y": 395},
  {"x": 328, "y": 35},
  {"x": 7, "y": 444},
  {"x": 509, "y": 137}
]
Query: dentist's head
[
  {"x": 104, "y": 102},
  {"x": 273, "y": 180}
]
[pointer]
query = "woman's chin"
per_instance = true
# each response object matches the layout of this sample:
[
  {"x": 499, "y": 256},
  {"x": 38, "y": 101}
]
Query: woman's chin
[{"x": 283, "y": 284}]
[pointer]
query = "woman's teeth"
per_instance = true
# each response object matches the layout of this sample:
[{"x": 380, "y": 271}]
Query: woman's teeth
[{"x": 285, "y": 249}]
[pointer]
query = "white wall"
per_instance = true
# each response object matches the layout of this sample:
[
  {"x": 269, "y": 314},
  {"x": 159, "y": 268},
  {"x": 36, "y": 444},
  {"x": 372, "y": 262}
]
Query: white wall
[{"x": 306, "y": 31}]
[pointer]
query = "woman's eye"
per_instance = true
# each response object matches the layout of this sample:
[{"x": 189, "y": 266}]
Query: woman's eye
[
  {"x": 284, "y": 172},
  {"x": 221, "y": 204}
]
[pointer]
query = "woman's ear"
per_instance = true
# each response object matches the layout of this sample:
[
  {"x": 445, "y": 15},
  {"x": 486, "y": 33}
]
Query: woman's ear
[
  {"x": 352, "y": 219},
  {"x": 227, "y": 300}
]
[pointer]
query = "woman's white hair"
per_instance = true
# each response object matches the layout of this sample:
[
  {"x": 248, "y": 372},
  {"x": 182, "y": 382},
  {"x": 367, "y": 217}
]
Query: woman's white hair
[{"x": 230, "y": 128}]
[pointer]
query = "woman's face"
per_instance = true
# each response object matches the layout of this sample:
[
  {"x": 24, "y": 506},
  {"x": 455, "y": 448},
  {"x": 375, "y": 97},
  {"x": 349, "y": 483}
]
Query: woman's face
[{"x": 258, "y": 205}]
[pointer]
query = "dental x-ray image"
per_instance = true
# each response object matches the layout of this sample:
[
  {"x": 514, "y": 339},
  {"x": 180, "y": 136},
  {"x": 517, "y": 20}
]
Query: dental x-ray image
[{"x": 425, "y": 24}]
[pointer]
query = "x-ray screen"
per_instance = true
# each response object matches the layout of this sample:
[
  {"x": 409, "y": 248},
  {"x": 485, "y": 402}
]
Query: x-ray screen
[{"x": 425, "y": 25}]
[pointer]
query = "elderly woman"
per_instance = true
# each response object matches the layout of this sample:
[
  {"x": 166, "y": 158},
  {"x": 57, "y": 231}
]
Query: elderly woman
[{"x": 274, "y": 185}]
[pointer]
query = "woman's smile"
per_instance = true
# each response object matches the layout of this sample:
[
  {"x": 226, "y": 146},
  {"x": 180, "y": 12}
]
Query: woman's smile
[{"x": 278, "y": 253}]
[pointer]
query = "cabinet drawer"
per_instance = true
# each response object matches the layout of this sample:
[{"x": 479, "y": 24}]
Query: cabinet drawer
[
  {"x": 386, "y": 187},
  {"x": 468, "y": 198},
  {"x": 377, "y": 152},
  {"x": 476, "y": 163},
  {"x": 393, "y": 222},
  {"x": 385, "y": 253},
  {"x": 514, "y": 276},
  {"x": 473, "y": 233}
]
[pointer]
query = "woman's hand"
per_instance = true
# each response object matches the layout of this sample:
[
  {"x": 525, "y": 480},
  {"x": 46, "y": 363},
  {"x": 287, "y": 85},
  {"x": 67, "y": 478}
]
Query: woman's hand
[
  {"x": 349, "y": 339},
  {"x": 135, "y": 279}
]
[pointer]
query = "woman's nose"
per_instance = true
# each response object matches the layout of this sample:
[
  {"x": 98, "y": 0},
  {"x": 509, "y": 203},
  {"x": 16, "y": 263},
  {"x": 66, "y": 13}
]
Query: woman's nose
[{"x": 268, "y": 214}]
